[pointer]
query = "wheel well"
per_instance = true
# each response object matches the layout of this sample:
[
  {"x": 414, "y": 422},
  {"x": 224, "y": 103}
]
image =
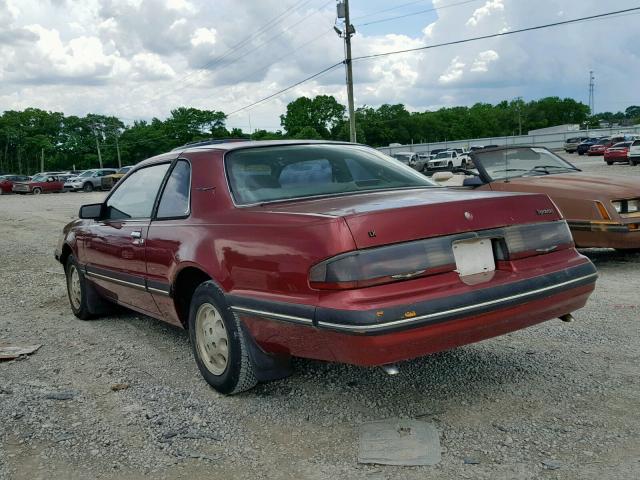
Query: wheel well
[
  {"x": 184, "y": 286},
  {"x": 66, "y": 251}
]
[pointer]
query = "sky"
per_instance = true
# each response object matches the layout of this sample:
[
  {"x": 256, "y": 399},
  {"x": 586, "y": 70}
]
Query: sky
[{"x": 138, "y": 59}]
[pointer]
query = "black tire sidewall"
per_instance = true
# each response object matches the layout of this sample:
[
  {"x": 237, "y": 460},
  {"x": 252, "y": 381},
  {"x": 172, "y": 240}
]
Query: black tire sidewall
[
  {"x": 83, "y": 312},
  {"x": 88, "y": 187},
  {"x": 225, "y": 383}
]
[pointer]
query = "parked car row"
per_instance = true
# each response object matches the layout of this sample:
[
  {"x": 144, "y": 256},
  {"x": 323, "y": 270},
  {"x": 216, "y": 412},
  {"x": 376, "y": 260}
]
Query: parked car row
[
  {"x": 613, "y": 148},
  {"x": 384, "y": 265},
  {"x": 438, "y": 159},
  {"x": 56, "y": 182}
]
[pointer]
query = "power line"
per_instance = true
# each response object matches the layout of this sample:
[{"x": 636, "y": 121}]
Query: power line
[
  {"x": 378, "y": 12},
  {"x": 417, "y": 13},
  {"x": 280, "y": 92},
  {"x": 494, "y": 35},
  {"x": 215, "y": 61}
]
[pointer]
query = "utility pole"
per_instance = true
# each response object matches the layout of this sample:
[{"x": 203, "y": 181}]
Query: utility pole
[
  {"x": 592, "y": 84},
  {"x": 42, "y": 159},
  {"x": 95, "y": 134},
  {"x": 349, "y": 30},
  {"x": 118, "y": 152}
]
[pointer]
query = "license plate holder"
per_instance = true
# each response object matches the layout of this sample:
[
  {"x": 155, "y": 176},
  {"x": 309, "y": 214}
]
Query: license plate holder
[{"x": 473, "y": 256}]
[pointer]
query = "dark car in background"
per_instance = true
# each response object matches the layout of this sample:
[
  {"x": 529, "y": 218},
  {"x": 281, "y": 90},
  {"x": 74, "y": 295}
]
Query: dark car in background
[
  {"x": 7, "y": 181},
  {"x": 270, "y": 250},
  {"x": 583, "y": 147}
]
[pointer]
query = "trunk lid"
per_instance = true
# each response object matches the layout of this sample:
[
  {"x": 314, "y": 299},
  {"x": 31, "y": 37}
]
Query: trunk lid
[{"x": 381, "y": 218}]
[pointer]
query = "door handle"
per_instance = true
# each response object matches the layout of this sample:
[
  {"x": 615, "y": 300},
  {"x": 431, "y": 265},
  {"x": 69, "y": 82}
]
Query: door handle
[{"x": 136, "y": 234}]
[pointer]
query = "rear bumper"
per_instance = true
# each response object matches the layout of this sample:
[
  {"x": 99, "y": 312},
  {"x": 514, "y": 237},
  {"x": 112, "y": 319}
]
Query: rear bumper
[
  {"x": 602, "y": 235},
  {"x": 411, "y": 330}
]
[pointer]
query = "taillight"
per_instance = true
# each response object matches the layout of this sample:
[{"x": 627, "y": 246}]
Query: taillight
[
  {"x": 375, "y": 266},
  {"x": 404, "y": 261},
  {"x": 533, "y": 239}
]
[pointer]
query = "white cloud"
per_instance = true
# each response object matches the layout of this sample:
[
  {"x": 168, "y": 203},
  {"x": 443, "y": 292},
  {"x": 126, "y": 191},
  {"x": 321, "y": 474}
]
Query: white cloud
[
  {"x": 484, "y": 11},
  {"x": 149, "y": 66},
  {"x": 203, "y": 36},
  {"x": 454, "y": 71},
  {"x": 482, "y": 61}
]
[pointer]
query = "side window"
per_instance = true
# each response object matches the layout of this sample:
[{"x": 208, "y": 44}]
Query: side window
[
  {"x": 135, "y": 197},
  {"x": 175, "y": 197}
]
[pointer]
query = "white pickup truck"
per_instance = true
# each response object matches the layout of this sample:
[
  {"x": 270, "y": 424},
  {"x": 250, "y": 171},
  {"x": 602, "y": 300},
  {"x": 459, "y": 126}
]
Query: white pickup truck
[{"x": 449, "y": 159}]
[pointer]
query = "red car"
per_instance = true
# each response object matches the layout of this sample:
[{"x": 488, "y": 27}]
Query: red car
[
  {"x": 7, "y": 181},
  {"x": 617, "y": 153},
  {"x": 40, "y": 184},
  {"x": 331, "y": 251}
]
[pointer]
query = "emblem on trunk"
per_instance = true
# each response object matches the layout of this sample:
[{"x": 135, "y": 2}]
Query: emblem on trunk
[
  {"x": 468, "y": 215},
  {"x": 544, "y": 211},
  {"x": 371, "y": 233}
]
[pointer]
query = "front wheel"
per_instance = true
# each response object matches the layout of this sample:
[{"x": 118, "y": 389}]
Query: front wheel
[
  {"x": 219, "y": 344},
  {"x": 77, "y": 290},
  {"x": 450, "y": 165},
  {"x": 37, "y": 191},
  {"x": 580, "y": 153},
  {"x": 88, "y": 187},
  {"x": 609, "y": 163}
]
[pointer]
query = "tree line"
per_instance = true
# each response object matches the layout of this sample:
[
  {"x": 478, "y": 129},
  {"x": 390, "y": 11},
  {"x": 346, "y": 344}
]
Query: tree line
[{"x": 35, "y": 139}]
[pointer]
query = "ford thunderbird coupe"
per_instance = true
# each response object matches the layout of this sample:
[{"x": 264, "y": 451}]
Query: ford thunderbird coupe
[
  {"x": 330, "y": 251},
  {"x": 602, "y": 211}
]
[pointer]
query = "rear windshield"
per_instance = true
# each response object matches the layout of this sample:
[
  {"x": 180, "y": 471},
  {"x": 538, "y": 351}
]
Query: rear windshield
[{"x": 258, "y": 175}]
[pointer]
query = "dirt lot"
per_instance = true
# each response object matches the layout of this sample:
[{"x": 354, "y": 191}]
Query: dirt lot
[{"x": 554, "y": 401}]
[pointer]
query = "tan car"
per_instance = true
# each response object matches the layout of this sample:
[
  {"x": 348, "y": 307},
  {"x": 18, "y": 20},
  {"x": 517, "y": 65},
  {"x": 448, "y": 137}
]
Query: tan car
[
  {"x": 602, "y": 211},
  {"x": 110, "y": 180}
]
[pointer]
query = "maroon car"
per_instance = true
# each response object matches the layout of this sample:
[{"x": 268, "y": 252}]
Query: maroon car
[
  {"x": 618, "y": 152},
  {"x": 7, "y": 181},
  {"x": 331, "y": 251},
  {"x": 40, "y": 184}
]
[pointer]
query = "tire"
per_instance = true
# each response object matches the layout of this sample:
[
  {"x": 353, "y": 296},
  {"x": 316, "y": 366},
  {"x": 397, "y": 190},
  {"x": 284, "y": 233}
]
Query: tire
[
  {"x": 450, "y": 165},
  {"x": 609, "y": 163},
  {"x": 88, "y": 187},
  {"x": 633, "y": 163},
  {"x": 36, "y": 191},
  {"x": 580, "y": 153},
  {"x": 77, "y": 290},
  {"x": 211, "y": 322},
  {"x": 463, "y": 165}
]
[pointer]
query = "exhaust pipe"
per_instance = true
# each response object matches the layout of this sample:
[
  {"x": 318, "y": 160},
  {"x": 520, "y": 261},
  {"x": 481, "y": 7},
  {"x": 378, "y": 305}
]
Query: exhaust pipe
[
  {"x": 567, "y": 318},
  {"x": 390, "y": 369}
]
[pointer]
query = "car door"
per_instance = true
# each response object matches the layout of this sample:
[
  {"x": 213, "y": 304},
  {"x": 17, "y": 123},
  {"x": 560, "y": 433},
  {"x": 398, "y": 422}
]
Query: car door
[
  {"x": 165, "y": 239},
  {"x": 114, "y": 248}
]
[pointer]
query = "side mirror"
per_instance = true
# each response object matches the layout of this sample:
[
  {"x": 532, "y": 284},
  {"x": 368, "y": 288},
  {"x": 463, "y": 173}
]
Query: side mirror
[
  {"x": 93, "y": 211},
  {"x": 472, "y": 182}
]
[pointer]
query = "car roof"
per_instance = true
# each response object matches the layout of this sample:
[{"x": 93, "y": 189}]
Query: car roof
[{"x": 227, "y": 146}]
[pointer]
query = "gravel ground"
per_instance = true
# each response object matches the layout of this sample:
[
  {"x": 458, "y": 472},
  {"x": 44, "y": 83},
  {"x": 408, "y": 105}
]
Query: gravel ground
[{"x": 554, "y": 401}]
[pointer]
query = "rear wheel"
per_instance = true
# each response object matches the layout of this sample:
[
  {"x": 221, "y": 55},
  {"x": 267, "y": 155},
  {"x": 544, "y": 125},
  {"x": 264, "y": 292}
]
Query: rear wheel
[
  {"x": 37, "y": 191},
  {"x": 88, "y": 187},
  {"x": 609, "y": 163},
  {"x": 219, "y": 344}
]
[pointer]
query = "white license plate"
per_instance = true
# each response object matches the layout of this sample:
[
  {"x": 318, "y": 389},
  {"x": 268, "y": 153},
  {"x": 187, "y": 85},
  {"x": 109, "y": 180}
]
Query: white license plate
[{"x": 473, "y": 256}]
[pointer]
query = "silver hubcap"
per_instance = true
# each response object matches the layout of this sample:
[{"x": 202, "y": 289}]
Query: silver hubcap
[
  {"x": 211, "y": 339},
  {"x": 75, "y": 292}
]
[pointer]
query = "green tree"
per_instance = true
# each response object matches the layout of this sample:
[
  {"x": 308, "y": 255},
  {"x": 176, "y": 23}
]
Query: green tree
[{"x": 322, "y": 114}]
